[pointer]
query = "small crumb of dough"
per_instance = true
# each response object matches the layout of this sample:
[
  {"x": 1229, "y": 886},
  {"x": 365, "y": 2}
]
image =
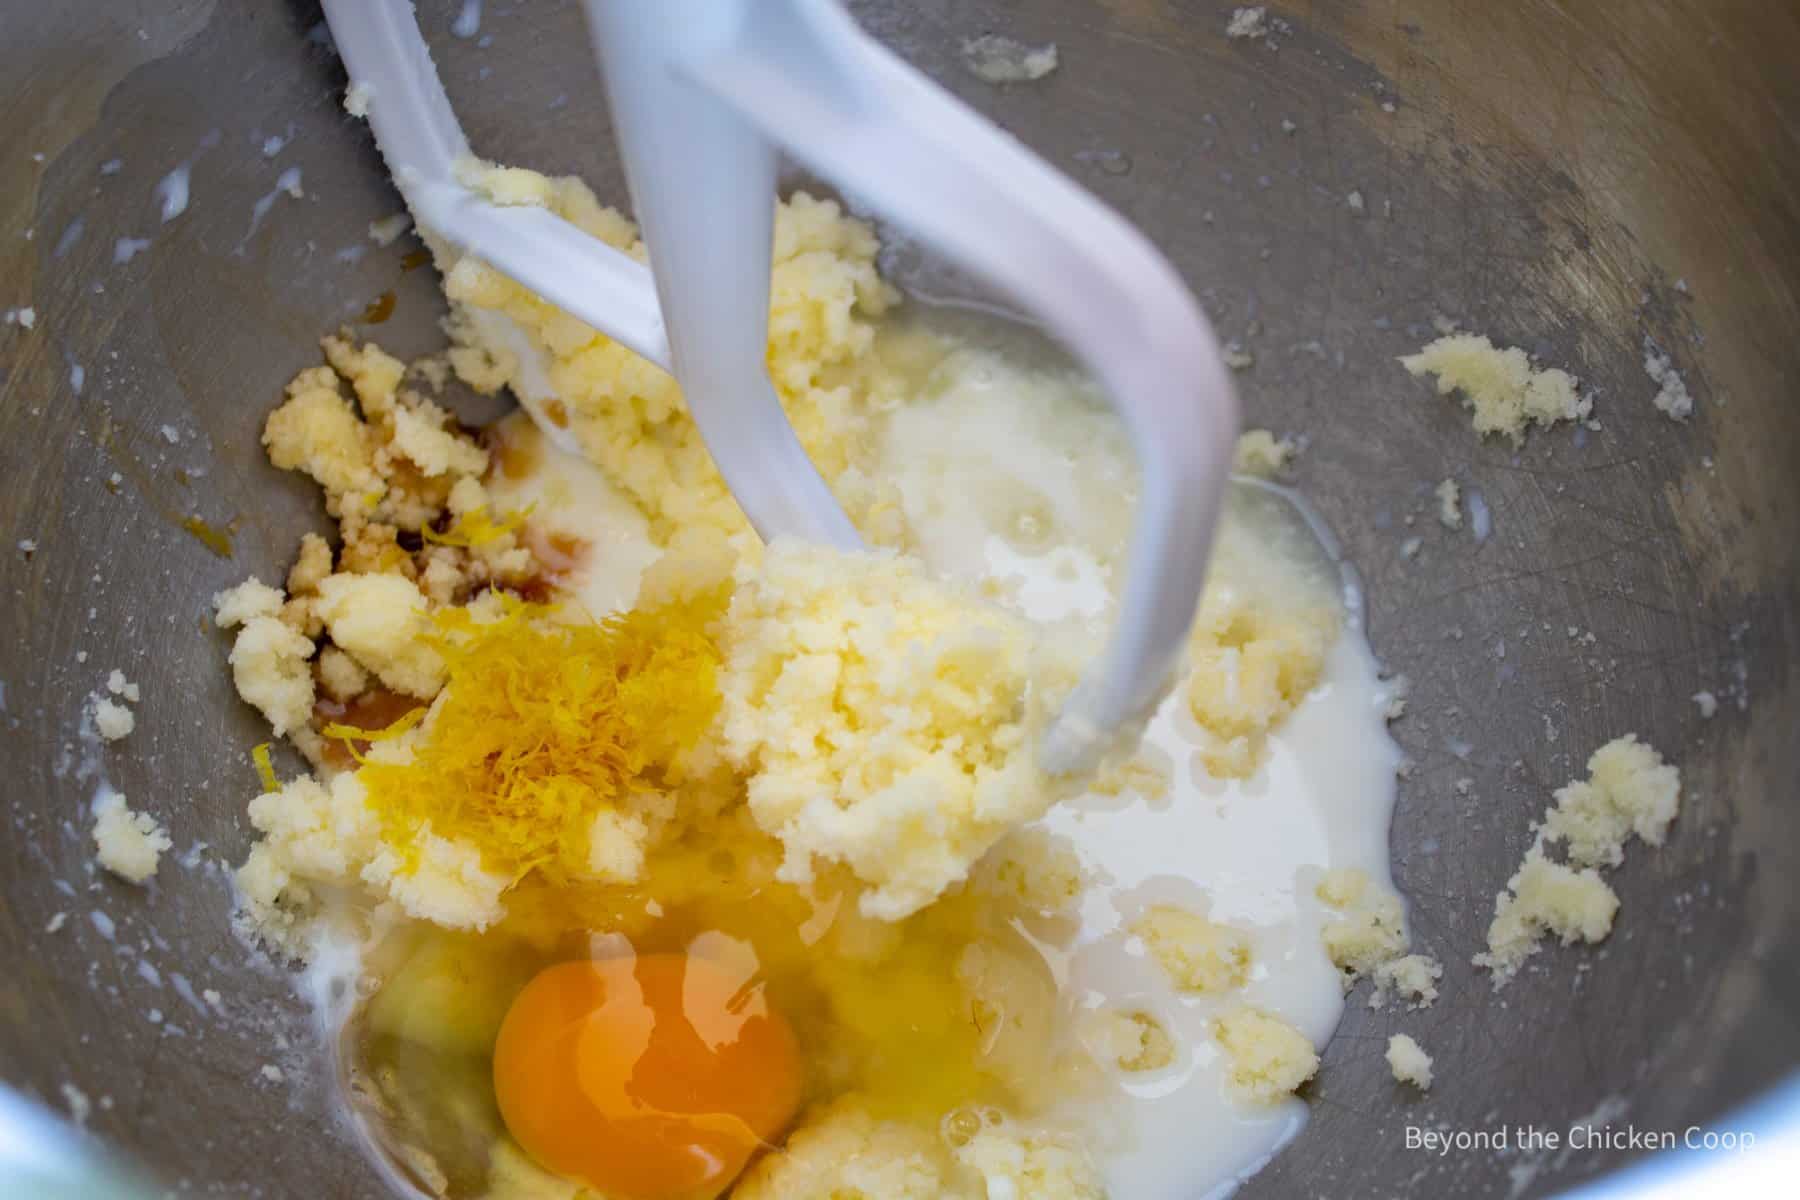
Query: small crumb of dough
[
  {"x": 388, "y": 228},
  {"x": 1545, "y": 897},
  {"x": 1629, "y": 790},
  {"x": 1409, "y": 1062},
  {"x": 311, "y": 567},
  {"x": 374, "y": 374},
  {"x": 1257, "y": 650},
  {"x": 323, "y": 834},
  {"x": 1249, "y": 22},
  {"x": 316, "y": 431},
  {"x": 432, "y": 448},
  {"x": 1707, "y": 703},
  {"x": 1131, "y": 1040},
  {"x": 269, "y": 664},
  {"x": 357, "y": 97},
  {"x": 1268, "y": 1057},
  {"x": 1262, "y": 454},
  {"x": 1238, "y": 359},
  {"x": 1198, "y": 955},
  {"x": 996, "y": 59},
  {"x": 1028, "y": 1164},
  {"x": 130, "y": 843},
  {"x": 249, "y": 599},
  {"x": 444, "y": 883},
  {"x": 342, "y": 677},
  {"x": 1449, "y": 498},
  {"x": 118, "y": 685},
  {"x": 1502, "y": 388},
  {"x": 1672, "y": 398},
  {"x": 382, "y": 622},
  {"x": 313, "y": 833},
  {"x": 1371, "y": 926},
  {"x": 1411, "y": 977},
  {"x": 112, "y": 720}
]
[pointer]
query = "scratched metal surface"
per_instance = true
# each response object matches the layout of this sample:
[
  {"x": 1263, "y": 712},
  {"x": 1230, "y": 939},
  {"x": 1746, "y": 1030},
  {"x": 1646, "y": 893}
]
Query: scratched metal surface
[{"x": 1548, "y": 173}]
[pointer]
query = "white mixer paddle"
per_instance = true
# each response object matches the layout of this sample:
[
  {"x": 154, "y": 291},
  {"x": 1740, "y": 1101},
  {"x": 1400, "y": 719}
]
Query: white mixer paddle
[{"x": 703, "y": 94}]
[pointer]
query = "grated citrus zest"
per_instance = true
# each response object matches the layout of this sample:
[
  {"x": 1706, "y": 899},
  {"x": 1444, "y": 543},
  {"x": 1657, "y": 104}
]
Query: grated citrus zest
[
  {"x": 544, "y": 724},
  {"x": 476, "y": 527},
  {"x": 353, "y": 733},
  {"x": 265, "y": 769}
]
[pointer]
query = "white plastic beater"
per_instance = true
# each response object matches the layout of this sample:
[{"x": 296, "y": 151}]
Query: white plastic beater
[{"x": 704, "y": 95}]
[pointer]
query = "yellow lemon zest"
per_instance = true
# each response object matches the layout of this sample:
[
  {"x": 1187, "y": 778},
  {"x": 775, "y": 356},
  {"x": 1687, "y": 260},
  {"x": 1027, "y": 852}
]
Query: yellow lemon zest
[
  {"x": 353, "y": 733},
  {"x": 476, "y": 527},
  {"x": 265, "y": 769},
  {"x": 545, "y": 724}
]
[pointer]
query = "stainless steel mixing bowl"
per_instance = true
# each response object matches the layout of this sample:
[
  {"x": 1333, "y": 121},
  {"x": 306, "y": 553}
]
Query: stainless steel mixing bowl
[{"x": 1566, "y": 177}]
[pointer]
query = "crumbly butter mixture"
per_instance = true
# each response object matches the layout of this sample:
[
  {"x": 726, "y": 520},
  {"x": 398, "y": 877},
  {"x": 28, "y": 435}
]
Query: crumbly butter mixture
[
  {"x": 1260, "y": 453},
  {"x": 1630, "y": 792},
  {"x": 1269, "y": 1058},
  {"x": 879, "y": 720},
  {"x": 852, "y": 735},
  {"x": 919, "y": 794},
  {"x": 1505, "y": 393},
  {"x": 488, "y": 756},
  {"x": 1370, "y": 927},
  {"x": 845, "y": 1151},
  {"x": 129, "y": 844},
  {"x": 113, "y": 720},
  {"x": 1199, "y": 956},
  {"x": 1366, "y": 937},
  {"x": 884, "y": 720},
  {"x": 1411, "y": 977},
  {"x": 1408, "y": 1061},
  {"x": 1257, "y": 650}
]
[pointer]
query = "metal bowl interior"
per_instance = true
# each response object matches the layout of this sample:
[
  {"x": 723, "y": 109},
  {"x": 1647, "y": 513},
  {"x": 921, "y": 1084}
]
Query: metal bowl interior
[{"x": 1567, "y": 178}]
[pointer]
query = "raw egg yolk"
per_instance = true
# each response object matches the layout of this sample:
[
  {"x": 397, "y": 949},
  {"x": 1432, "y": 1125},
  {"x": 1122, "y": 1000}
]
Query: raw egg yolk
[{"x": 649, "y": 1078}]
